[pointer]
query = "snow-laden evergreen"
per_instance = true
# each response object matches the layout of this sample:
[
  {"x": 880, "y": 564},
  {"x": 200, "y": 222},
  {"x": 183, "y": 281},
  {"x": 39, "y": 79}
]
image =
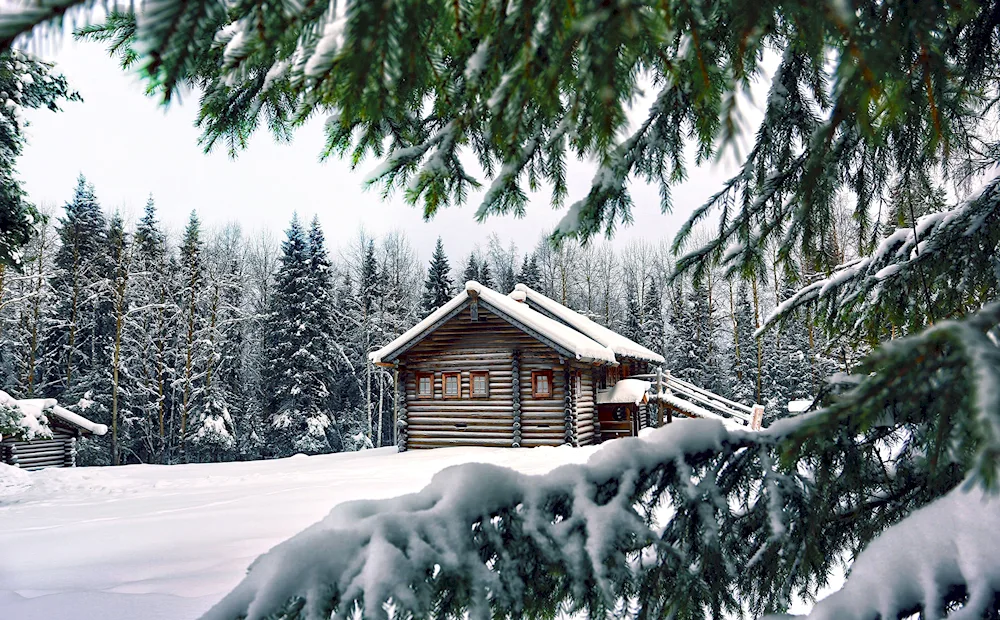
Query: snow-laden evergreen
[
  {"x": 299, "y": 375},
  {"x": 25, "y": 83},
  {"x": 438, "y": 286}
]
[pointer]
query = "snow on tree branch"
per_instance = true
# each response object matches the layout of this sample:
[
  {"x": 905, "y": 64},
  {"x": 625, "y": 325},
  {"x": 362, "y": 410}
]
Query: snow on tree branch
[
  {"x": 482, "y": 538},
  {"x": 940, "y": 559},
  {"x": 886, "y": 283}
]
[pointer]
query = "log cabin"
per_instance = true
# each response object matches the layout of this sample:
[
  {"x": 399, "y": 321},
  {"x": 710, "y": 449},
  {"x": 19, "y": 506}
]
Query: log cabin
[
  {"x": 57, "y": 450},
  {"x": 488, "y": 369}
]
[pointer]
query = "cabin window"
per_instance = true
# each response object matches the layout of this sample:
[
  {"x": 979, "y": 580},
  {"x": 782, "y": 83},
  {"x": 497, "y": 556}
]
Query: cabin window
[
  {"x": 541, "y": 384},
  {"x": 425, "y": 385},
  {"x": 452, "y": 384},
  {"x": 480, "y": 384}
]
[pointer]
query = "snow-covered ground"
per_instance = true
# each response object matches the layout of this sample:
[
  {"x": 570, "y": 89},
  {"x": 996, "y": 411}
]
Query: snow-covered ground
[{"x": 152, "y": 542}]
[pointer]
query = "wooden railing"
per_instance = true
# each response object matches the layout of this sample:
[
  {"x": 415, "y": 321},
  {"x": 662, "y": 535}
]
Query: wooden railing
[{"x": 694, "y": 401}]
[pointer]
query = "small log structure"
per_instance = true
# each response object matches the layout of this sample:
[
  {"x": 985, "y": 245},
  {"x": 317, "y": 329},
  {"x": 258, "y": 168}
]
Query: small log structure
[
  {"x": 59, "y": 450},
  {"x": 488, "y": 369},
  {"x": 522, "y": 370}
]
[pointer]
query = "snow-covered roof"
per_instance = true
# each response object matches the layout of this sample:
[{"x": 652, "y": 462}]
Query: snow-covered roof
[
  {"x": 578, "y": 344},
  {"x": 618, "y": 343},
  {"x": 35, "y": 411},
  {"x": 626, "y": 391}
]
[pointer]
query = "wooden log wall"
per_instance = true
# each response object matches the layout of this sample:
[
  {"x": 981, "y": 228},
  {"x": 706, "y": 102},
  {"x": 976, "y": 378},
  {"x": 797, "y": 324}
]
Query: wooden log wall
[
  {"x": 56, "y": 452},
  {"x": 543, "y": 420},
  {"x": 569, "y": 407},
  {"x": 515, "y": 371},
  {"x": 488, "y": 344},
  {"x": 643, "y": 416},
  {"x": 586, "y": 413}
]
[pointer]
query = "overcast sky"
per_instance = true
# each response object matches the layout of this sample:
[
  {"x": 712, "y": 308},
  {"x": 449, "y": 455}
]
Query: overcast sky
[{"x": 128, "y": 147}]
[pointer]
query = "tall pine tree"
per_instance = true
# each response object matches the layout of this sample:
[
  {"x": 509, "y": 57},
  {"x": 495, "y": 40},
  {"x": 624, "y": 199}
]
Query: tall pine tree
[
  {"x": 296, "y": 393},
  {"x": 438, "y": 286}
]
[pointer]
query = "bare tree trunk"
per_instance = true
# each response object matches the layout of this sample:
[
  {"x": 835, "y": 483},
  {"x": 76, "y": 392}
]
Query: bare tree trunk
[
  {"x": 213, "y": 321},
  {"x": 121, "y": 307},
  {"x": 368, "y": 377},
  {"x": 188, "y": 368},
  {"x": 36, "y": 313},
  {"x": 72, "y": 315},
  {"x": 160, "y": 369},
  {"x": 736, "y": 332},
  {"x": 760, "y": 344}
]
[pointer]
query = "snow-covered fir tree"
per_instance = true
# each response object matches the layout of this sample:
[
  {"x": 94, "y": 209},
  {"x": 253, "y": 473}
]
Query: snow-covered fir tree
[
  {"x": 25, "y": 83},
  {"x": 190, "y": 300},
  {"x": 631, "y": 326},
  {"x": 472, "y": 269},
  {"x": 438, "y": 286},
  {"x": 296, "y": 386},
  {"x": 651, "y": 331},
  {"x": 485, "y": 276},
  {"x": 152, "y": 317},
  {"x": 743, "y": 352},
  {"x": 529, "y": 274},
  {"x": 79, "y": 264}
]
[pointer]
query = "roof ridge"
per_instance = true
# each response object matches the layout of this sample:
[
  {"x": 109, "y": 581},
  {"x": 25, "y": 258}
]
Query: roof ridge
[{"x": 608, "y": 337}]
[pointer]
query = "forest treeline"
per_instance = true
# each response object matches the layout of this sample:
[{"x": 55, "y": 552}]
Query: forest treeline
[{"x": 215, "y": 345}]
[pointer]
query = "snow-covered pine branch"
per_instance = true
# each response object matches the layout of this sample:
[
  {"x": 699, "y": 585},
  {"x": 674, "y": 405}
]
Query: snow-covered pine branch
[
  {"x": 489, "y": 541},
  {"x": 953, "y": 253}
]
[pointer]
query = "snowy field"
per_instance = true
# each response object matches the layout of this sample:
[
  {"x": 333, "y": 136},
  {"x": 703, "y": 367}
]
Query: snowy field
[{"x": 153, "y": 542}]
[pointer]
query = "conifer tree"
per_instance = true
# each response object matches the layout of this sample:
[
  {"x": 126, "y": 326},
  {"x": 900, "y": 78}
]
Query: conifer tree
[
  {"x": 369, "y": 290},
  {"x": 529, "y": 275},
  {"x": 25, "y": 83},
  {"x": 192, "y": 273},
  {"x": 215, "y": 400},
  {"x": 485, "y": 276},
  {"x": 79, "y": 264},
  {"x": 348, "y": 392},
  {"x": 743, "y": 364},
  {"x": 321, "y": 325},
  {"x": 652, "y": 319},
  {"x": 155, "y": 311},
  {"x": 295, "y": 387},
  {"x": 471, "y": 269},
  {"x": 632, "y": 324},
  {"x": 438, "y": 286},
  {"x": 122, "y": 376}
]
